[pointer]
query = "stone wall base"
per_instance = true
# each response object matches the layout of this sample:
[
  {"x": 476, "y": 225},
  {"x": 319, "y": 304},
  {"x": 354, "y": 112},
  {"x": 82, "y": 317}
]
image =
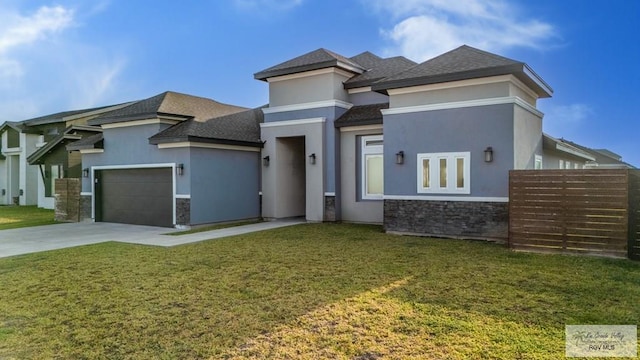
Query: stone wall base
[
  {"x": 450, "y": 219},
  {"x": 330, "y": 208},
  {"x": 183, "y": 212}
]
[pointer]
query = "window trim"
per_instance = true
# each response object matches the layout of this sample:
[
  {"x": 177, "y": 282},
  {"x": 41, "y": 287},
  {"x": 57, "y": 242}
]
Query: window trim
[
  {"x": 538, "y": 160},
  {"x": 452, "y": 173},
  {"x": 376, "y": 150}
]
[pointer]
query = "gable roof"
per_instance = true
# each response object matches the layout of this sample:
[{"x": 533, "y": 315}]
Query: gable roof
[
  {"x": 362, "y": 115},
  {"x": 169, "y": 103},
  {"x": 317, "y": 59},
  {"x": 549, "y": 142},
  {"x": 71, "y": 134},
  {"x": 600, "y": 156},
  {"x": 242, "y": 128},
  {"x": 462, "y": 63}
]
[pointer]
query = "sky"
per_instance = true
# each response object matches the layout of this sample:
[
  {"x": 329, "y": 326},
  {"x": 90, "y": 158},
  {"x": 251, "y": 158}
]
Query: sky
[{"x": 59, "y": 55}]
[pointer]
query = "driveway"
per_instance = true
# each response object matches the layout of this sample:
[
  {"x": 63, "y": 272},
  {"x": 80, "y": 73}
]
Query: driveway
[{"x": 59, "y": 236}]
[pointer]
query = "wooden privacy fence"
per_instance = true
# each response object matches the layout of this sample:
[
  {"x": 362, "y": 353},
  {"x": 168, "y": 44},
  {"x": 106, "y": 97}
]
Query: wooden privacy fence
[{"x": 593, "y": 212}]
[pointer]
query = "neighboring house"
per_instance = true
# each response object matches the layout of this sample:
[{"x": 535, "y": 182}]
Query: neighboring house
[
  {"x": 166, "y": 161},
  {"x": 422, "y": 148},
  {"x": 34, "y": 155}
]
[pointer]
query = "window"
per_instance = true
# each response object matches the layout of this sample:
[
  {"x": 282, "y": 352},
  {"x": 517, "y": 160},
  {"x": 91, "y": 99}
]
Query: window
[
  {"x": 561, "y": 164},
  {"x": 537, "y": 162},
  {"x": 444, "y": 173},
  {"x": 372, "y": 167},
  {"x": 567, "y": 164}
]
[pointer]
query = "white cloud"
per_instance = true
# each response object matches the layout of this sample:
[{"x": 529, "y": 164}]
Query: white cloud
[
  {"x": 267, "y": 5},
  {"x": 42, "y": 70},
  {"x": 427, "y": 28}
]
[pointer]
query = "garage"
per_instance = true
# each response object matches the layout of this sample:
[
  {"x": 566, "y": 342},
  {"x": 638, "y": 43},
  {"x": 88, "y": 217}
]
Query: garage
[{"x": 135, "y": 196}]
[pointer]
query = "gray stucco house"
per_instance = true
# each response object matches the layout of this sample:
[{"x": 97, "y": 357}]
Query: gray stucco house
[
  {"x": 421, "y": 148},
  {"x": 163, "y": 161}
]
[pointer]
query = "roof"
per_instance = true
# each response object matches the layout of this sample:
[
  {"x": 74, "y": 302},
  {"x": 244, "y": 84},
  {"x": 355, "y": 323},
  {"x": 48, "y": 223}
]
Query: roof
[
  {"x": 242, "y": 128},
  {"x": 71, "y": 134},
  {"x": 464, "y": 63},
  {"x": 171, "y": 104},
  {"x": 377, "y": 69},
  {"x": 601, "y": 156},
  {"x": 549, "y": 142},
  {"x": 61, "y": 116},
  {"x": 90, "y": 142},
  {"x": 362, "y": 115},
  {"x": 317, "y": 59},
  {"x": 17, "y": 126}
]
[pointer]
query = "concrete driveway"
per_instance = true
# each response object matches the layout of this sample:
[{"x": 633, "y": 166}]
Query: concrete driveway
[{"x": 59, "y": 236}]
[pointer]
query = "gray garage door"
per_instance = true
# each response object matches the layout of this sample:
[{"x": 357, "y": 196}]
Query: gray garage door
[{"x": 135, "y": 196}]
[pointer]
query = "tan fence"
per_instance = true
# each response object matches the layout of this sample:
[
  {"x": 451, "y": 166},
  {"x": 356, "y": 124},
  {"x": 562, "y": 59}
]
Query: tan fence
[{"x": 575, "y": 211}]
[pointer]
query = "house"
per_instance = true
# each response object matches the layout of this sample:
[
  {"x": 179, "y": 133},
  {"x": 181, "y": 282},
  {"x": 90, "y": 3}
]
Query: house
[
  {"x": 33, "y": 155},
  {"x": 421, "y": 148},
  {"x": 172, "y": 160}
]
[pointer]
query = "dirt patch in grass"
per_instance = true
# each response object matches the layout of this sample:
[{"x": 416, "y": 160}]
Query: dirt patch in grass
[{"x": 307, "y": 291}]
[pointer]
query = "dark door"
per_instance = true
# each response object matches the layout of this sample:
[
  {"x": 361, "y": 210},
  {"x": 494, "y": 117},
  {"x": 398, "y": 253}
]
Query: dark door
[{"x": 135, "y": 196}]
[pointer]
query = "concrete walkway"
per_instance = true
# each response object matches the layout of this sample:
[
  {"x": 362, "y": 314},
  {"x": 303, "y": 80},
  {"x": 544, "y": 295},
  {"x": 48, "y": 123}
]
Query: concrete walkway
[{"x": 59, "y": 236}]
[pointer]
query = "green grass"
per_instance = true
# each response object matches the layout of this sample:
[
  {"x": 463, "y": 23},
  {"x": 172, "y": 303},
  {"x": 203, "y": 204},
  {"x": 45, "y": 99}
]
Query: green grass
[
  {"x": 309, "y": 291},
  {"x": 12, "y": 217},
  {"x": 213, "y": 227}
]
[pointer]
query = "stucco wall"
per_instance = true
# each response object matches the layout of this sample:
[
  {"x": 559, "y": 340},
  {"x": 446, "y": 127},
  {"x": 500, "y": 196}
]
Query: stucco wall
[
  {"x": 3, "y": 182},
  {"x": 528, "y": 138},
  {"x": 369, "y": 97},
  {"x": 354, "y": 209},
  {"x": 463, "y": 93},
  {"x": 224, "y": 185},
  {"x": 453, "y": 130},
  {"x": 276, "y": 182},
  {"x": 551, "y": 159},
  {"x": 313, "y": 88}
]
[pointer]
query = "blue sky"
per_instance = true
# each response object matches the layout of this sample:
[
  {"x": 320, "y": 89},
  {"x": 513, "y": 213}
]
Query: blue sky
[{"x": 72, "y": 54}]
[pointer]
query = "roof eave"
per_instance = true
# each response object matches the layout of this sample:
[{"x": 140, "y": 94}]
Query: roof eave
[{"x": 191, "y": 138}]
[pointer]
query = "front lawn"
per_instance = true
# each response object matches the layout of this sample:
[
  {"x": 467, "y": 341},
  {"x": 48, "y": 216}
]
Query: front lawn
[
  {"x": 12, "y": 217},
  {"x": 309, "y": 291}
]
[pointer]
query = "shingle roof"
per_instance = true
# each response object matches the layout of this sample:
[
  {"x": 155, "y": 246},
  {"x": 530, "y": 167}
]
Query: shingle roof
[
  {"x": 367, "y": 60},
  {"x": 59, "y": 117},
  {"x": 378, "y": 70},
  {"x": 241, "y": 128},
  {"x": 362, "y": 115},
  {"x": 89, "y": 142},
  {"x": 168, "y": 103},
  {"x": 71, "y": 134},
  {"x": 317, "y": 59},
  {"x": 463, "y": 63}
]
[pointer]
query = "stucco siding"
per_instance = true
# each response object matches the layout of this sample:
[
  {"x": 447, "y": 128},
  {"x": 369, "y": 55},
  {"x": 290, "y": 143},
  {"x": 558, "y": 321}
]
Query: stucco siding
[
  {"x": 551, "y": 159},
  {"x": 527, "y": 138},
  {"x": 463, "y": 93},
  {"x": 276, "y": 179},
  {"x": 369, "y": 97},
  {"x": 470, "y": 129},
  {"x": 224, "y": 185},
  {"x": 354, "y": 209},
  {"x": 319, "y": 87}
]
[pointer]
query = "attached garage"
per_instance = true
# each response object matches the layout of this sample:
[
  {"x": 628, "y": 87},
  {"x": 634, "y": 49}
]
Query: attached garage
[{"x": 141, "y": 196}]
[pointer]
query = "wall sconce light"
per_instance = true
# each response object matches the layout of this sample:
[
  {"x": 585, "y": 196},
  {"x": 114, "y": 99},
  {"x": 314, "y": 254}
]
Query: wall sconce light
[
  {"x": 4, "y": 192},
  {"x": 312, "y": 158},
  {"x": 400, "y": 157},
  {"x": 265, "y": 160},
  {"x": 488, "y": 154},
  {"x": 180, "y": 169},
  {"x": 85, "y": 172},
  {"x": 21, "y": 192}
]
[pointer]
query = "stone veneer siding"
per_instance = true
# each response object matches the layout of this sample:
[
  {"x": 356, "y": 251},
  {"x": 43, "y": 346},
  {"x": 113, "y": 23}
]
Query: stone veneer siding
[
  {"x": 85, "y": 207},
  {"x": 183, "y": 211},
  {"x": 453, "y": 219},
  {"x": 329, "y": 208}
]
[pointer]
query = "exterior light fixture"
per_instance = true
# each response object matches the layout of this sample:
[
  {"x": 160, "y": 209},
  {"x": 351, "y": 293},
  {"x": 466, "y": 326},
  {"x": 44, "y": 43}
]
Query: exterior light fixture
[
  {"x": 312, "y": 158},
  {"x": 180, "y": 169},
  {"x": 488, "y": 154},
  {"x": 265, "y": 160},
  {"x": 85, "y": 172},
  {"x": 400, "y": 157},
  {"x": 4, "y": 192}
]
